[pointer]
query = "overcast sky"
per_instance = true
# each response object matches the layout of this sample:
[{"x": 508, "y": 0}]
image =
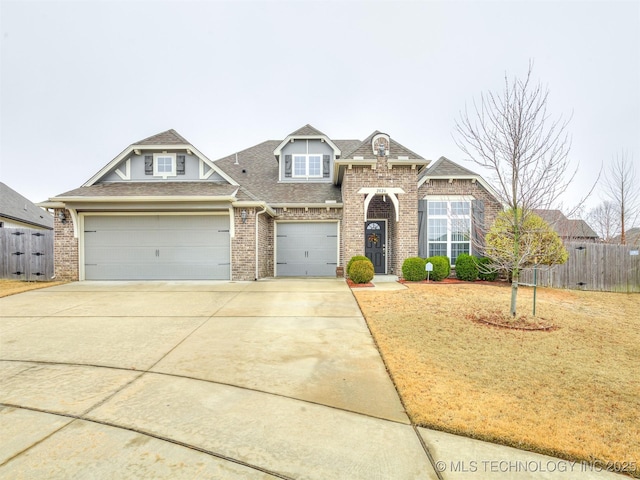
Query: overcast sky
[{"x": 83, "y": 80}]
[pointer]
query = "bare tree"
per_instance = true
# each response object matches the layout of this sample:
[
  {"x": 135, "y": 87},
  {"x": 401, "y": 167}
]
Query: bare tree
[
  {"x": 511, "y": 134},
  {"x": 622, "y": 189},
  {"x": 605, "y": 220}
]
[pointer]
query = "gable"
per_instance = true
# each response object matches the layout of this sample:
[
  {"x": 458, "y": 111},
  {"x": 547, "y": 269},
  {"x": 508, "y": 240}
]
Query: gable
[
  {"x": 445, "y": 169},
  {"x": 166, "y": 156},
  {"x": 306, "y": 133},
  {"x": 396, "y": 151}
]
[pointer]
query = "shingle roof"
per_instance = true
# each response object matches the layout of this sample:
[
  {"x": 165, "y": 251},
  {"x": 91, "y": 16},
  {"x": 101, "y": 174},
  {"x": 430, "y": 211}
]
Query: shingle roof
[
  {"x": 170, "y": 137},
  {"x": 16, "y": 207},
  {"x": 307, "y": 130},
  {"x": 395, "y": 150},
  {"x": 152, "y": 189},
  {"x": 347, "y": 146},
  {"x": 566, "y": 227},
  {"x": 257, "y": 173},
  {"x": 445, "y": 168}
]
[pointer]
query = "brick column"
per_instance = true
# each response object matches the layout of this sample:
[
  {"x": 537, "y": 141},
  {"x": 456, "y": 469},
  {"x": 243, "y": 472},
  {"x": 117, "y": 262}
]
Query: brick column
[
  {"x": 65, "y": 248},
  {"x": 243, "y": 246}
]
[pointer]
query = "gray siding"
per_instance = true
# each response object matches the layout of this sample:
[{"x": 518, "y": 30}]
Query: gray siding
[
  {"x": 304, "y": 147},
  {"x": 191, "y": 174}
]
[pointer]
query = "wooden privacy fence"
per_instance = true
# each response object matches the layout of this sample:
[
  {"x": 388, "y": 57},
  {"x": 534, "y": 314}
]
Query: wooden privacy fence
[
  {"x": 592, "y": 266},
  {"x": 26, "y": 254}
]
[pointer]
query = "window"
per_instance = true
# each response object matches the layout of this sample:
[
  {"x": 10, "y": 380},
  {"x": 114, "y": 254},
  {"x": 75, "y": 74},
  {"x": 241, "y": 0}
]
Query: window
[
  {"x": 307, "y": 165},
  {"x": 449, "y": 228},
  {"x": 164, "y": 164}
]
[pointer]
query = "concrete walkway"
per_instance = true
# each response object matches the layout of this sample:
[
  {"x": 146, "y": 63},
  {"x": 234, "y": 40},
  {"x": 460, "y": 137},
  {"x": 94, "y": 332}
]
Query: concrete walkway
[{"x": 268, "y": 379}]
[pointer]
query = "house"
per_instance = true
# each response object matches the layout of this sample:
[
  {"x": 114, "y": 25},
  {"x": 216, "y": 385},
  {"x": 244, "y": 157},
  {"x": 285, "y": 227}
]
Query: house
[
  {"x": 632, "y": 237},
  {"x": 18, "y": 212},
  {"x": 299, "y": 206},
  {"x": 568, "y": 229}
]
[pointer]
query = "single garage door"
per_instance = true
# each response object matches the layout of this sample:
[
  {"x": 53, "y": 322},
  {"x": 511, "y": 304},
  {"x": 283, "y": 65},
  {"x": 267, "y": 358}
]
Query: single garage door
[
  {"x": 157, "y": 247},
  {"x": 306, "y": 249}
]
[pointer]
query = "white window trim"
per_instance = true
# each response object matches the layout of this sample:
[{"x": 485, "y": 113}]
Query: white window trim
[
  {"x": 306, "y": 165},
  {"x": 164, "y": 175},
  {"x": 450, "y": 218}
]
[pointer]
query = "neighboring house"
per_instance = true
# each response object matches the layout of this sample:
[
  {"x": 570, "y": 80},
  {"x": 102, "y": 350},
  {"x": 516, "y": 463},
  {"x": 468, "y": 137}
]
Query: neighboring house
[
  {"x": 300, "y": 206},
  {"x": 18, "y": 212},
  {"x": 632, "y": 237},
  {"x": 568, "y": 229}
]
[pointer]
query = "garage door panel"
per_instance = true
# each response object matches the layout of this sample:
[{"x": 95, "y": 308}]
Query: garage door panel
[
  {"x": 307, "y": 249},
  {"x": 157, "y": 247},
  {"x": 105, "y": 254}
]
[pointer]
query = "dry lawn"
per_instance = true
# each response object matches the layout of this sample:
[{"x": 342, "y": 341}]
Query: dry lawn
[
  {"x": 572, "y": 392},
  {"x": 11, "y": 287}
]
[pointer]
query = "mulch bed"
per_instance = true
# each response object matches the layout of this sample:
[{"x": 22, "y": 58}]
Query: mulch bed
[
  {"x": 453, "y": 281},
  {"x": 359, "y": 285},
  {"x": 523, "y": 322}
]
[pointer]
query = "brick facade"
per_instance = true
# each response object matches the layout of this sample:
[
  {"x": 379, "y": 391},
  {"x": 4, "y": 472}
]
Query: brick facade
[
  {"x": 253, "y": 246},
  {"x": 468, "y": 188},
  {"x": 402, "y": 235},
  {"x": 65, "y": 248},
  {"x": 243, "y": 245}
]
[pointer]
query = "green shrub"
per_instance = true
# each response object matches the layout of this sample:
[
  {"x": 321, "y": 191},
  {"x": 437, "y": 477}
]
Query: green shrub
[
  {"x": 413, "y": 269},
  {"x": 485, "y": 271},
  {"x": 355, "y": 259},
  {"x": 361, "y": 271},
  {"x": 441, "y": 268},
  {"x": 466, "y": 267}
]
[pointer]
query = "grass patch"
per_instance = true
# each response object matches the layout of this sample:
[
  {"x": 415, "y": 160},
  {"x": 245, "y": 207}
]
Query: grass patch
[
  {"x": 571, "y": 390},
  {"x": 11, "y": 287}
]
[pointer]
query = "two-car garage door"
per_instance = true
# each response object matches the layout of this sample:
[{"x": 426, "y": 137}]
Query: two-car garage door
[{"x": 157, "y": 247}]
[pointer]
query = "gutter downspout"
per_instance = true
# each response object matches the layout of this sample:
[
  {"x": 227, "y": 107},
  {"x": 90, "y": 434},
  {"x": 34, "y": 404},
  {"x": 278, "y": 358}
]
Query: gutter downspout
[{"x": 264, "y": 209}]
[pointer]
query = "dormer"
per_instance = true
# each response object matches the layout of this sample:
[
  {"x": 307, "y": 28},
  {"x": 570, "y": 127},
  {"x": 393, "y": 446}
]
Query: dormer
[{"x": 306, "y": 155}]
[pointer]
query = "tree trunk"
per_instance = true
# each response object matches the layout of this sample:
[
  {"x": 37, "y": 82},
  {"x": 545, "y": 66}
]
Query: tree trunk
[
  {"x": 514, "y": 295},
  {"x": 516, "y": 256}
]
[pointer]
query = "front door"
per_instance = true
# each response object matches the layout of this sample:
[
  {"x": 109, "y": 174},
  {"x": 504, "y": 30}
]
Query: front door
[{"x": 375, "y": 244}]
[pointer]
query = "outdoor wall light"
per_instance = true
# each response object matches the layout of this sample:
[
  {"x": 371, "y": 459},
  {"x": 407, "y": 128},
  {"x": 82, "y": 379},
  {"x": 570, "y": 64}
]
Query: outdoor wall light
[
  {"x": 61, "y": 216},
  {"x": 243, "y": 214}
]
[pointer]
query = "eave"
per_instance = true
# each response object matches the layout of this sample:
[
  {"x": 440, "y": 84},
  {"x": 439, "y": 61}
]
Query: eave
[
  {"x": 415, "y": 164},
  {"x": 451, "y": 178},
  {"x": 26, "y": 222},
  {"x": 254, "y": 204},
  {"x": 326, "y": 205},
  {"x": 341, "y": 164},
  {"x": 139, "y": 148}
]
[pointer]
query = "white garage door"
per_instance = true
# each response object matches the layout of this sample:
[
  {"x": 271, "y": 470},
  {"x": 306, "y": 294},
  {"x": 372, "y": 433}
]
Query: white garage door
[
  {"x": 306, "y": 249},
  {"x": 157, "y": 247}
]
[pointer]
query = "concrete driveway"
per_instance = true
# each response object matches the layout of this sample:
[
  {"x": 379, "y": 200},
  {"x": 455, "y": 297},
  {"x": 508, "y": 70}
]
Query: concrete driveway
[{"x": 268, "y": 379}]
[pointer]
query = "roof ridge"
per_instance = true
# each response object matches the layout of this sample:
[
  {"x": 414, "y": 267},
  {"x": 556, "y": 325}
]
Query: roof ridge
[
  {"x": 168, "y": 137},
  {"x": 307, "y": 129}
]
